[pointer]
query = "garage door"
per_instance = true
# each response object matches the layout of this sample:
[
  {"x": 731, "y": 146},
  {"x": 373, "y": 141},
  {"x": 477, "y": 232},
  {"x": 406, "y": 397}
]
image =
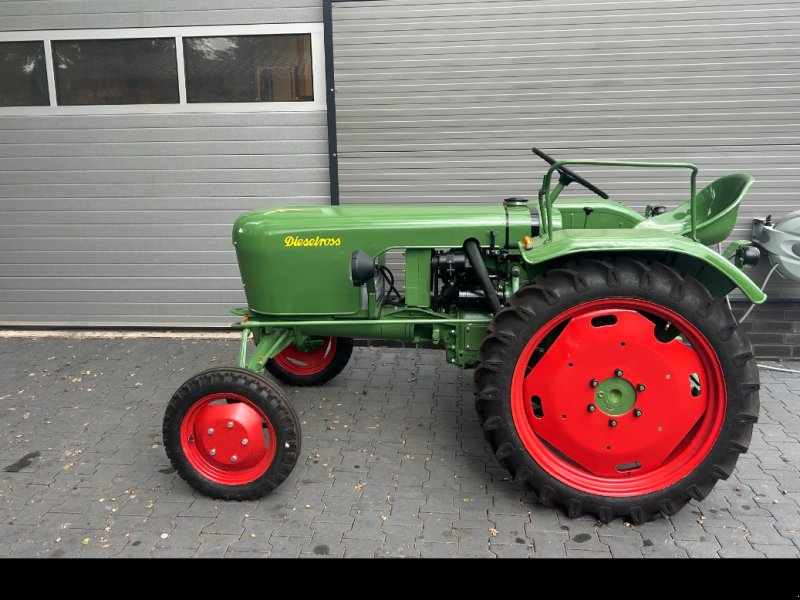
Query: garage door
[{"x": 440, "y": 101}]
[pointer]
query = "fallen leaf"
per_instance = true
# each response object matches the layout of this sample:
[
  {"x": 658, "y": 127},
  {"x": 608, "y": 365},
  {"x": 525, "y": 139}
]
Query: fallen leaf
[
  {"x": 252, "y": 535},
  {"x": 359, "y": 486},
  {"x": 58, "y": 539},
  {"x": 85, "y": 541},
  {"x": 493, "y": 531}
]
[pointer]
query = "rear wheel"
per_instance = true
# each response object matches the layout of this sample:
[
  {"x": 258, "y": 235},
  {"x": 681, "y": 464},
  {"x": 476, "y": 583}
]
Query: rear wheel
[
  {"x": 231, "y": 434},
  {"x": 317, "y": 363},
  {"x": 617, "y": 388}
]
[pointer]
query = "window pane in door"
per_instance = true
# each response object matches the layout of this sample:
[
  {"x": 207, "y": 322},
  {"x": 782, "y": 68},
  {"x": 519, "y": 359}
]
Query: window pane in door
[
  {"x": 252, "y": 68},
  {"x": 102, "y": 72},
  {"x": 23, "y": 74}
]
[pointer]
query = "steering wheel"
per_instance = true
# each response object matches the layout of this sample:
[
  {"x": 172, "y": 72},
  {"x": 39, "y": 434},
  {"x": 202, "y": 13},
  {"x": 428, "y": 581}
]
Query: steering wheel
[{"x": 568, "y": 175}]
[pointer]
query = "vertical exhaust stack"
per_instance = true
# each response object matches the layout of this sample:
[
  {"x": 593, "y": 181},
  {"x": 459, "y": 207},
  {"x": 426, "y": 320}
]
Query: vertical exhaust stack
[{"x": 473, "y": 251}]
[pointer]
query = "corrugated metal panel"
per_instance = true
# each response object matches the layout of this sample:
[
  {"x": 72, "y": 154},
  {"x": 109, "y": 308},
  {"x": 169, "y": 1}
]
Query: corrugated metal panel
[
  {"x": 23, "y": 15},
  {"x": 440, "y": 101},
  {"x": 126, "y": 219}
]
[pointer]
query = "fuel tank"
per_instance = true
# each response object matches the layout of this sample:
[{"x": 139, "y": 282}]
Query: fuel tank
[{"x": 295, "y": 260}]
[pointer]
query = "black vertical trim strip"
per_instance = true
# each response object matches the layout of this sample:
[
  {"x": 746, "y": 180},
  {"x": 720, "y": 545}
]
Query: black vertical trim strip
[
  {"x": 330, "y": 97},
  {"x": 534, "y": 221},
  {"x": 505, "y": 210}
]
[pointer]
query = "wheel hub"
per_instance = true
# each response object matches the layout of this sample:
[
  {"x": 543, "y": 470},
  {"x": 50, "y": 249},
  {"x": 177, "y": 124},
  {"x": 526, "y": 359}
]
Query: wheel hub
[
  {"x": 615, "y": 396},
  {"x": 228, "y": 439},
  {"x": 646, "y": 404},
  {"x": 230, "y": 435}
]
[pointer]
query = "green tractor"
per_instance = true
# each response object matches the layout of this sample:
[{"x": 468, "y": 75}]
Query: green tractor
[{"x": 610, "y": 375}]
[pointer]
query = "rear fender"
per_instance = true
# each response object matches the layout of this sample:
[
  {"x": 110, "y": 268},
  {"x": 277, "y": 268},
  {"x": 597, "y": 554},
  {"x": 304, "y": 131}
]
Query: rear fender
[{"x": 688, "y": 257}]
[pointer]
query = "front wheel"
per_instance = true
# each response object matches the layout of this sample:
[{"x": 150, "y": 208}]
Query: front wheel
[
  {"x": 318, "y": 362},
  {"x": 231, "y": 434},
  {"x": 617, "y": 388}
]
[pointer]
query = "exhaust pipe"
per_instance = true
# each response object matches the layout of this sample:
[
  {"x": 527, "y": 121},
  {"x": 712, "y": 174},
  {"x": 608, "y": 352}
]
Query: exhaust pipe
[{"x": 473, "y": 252}]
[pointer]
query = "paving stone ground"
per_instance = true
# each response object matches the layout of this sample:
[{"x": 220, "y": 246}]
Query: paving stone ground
[{"x": 393, "y": 464}]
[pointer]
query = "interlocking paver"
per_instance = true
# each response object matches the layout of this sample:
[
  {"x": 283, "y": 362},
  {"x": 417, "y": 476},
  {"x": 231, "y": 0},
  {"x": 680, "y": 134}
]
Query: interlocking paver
[{"x": 394, "y": 464}]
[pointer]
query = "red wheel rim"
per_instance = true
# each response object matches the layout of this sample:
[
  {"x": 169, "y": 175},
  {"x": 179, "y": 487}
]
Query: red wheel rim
[
  {"x": 228, "y": 439},
  {"x": 295, "y": 361},
  {"x": 582, "y": 438}
]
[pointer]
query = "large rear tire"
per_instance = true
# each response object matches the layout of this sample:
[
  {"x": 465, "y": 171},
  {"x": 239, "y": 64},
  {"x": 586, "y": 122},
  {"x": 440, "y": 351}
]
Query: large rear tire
[
  {"x": 617, "y": 388},
  {"x": 231, "y": 434}
]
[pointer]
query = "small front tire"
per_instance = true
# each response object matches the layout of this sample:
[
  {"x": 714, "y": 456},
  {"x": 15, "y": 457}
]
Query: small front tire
[
  {"x": 315, "y": 366},
  {"x": 231, "y": 434}
]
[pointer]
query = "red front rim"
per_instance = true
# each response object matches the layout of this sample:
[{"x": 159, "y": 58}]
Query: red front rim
[
  {"x": 228, "y": 439},
  {"x": 608, "y": 401},
  {"x": 295, "y": 361}
]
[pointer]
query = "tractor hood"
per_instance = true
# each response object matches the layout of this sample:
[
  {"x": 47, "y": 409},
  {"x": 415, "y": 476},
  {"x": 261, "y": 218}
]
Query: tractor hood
[{"x": 296, "y": 260}]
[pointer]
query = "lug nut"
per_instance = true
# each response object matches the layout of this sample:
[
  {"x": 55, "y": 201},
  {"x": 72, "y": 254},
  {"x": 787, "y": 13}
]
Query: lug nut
[
  {"x": 591, "y": 408},
  {"x": 213, "y": 451},
  {"x": 618, "y": 372},
  {"x": 612, "y": 423},
  {"x": 230, "y": 424},
  {"x": 210, "y": 431},
  {"x": 637, "y": 412},
  {"x": 594, "y": 383},
  {"x": 640, "y": 387},
  {"x": 244, "y": 442},
  {"x": 233, "y": 458}
]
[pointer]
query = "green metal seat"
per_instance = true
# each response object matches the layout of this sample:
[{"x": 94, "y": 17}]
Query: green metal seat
[{"x": 715, "y": 207}]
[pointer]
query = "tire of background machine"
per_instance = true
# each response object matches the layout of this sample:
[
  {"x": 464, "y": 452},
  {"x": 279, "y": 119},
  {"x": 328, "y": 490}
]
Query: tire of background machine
[
  {"x": 584, "y": 281},
  {"x": 270, "y": 401},
  {"x": 339, "y": 360}
]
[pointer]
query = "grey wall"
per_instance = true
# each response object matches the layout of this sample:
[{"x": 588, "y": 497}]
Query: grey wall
[
  {"x": 126, "y": 219},
  {"x": 441, "y": 100}
]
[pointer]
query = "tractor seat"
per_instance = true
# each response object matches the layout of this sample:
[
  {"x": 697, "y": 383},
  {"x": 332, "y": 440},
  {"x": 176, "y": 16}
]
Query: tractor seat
[{"x": 717, "y": 208}]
